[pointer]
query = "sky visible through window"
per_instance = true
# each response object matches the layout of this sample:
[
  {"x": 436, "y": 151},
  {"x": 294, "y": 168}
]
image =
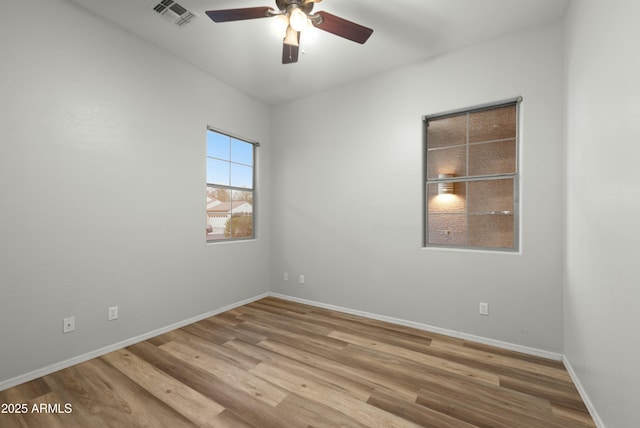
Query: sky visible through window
[{"x": 229, "y": 161}]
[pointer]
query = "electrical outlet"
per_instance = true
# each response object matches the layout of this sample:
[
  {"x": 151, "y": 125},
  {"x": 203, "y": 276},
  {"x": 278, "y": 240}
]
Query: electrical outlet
[
  {"x": 113, "y": 313},
  {"x": 484, "y": 308},
  {"x": 286, "y": 276},
  {"x": 301, "y": 279},
  {"x": 68, "y": 324}
]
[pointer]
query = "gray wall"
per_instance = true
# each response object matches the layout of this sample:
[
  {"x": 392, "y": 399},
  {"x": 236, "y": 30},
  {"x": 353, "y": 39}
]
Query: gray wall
[
  {"x": 102, "y": 152},
  {"x": 102, "y": 198},
  {"x": 602, "y": 292},
  {"x": 348, "y": 195}
]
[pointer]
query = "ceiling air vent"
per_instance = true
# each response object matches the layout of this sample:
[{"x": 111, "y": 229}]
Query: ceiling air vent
[{"x": 174, "y": 13}]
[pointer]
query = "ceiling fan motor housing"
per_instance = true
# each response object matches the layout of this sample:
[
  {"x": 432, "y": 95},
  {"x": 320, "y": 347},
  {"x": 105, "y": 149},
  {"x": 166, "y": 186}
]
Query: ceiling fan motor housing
[{"x": 284, "y": 5}]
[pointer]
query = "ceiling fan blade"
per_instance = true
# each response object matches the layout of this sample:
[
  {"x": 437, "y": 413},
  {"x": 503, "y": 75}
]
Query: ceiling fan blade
[
  {"x": 311, "y": 1},
  {"x": 343, "y": 28},
  {"x": 227, "y": 15},
  {"x": 290, "y": 52}
]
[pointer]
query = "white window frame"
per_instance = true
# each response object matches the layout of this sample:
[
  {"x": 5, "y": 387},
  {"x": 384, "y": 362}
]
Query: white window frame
[{"x": 231, "y": 188}]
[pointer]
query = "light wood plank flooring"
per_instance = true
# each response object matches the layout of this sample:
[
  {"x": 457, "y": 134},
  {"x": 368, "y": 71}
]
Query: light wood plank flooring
[{"x": 274, "y": 363}]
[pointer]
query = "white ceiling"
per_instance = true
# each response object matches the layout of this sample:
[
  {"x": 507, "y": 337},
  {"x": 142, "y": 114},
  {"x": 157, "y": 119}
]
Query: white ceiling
[{"x": 247, "y": 54}]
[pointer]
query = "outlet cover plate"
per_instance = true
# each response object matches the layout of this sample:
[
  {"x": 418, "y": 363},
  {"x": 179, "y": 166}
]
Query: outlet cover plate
[
  {"x": 484, "y": 308},
  {"x": 113, "y": 313},
  {"x": 68, "y": 324}
]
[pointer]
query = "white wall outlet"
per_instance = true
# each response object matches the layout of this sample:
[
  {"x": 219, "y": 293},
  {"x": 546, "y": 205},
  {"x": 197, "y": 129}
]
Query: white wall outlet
[
  {"x": 286, "y": 276},
  {"x": 484, "y": 308},
  {"x": 68, "y": 324},
  {"x": 301, "y": 279},
  {"x": 113, "y": 313}
]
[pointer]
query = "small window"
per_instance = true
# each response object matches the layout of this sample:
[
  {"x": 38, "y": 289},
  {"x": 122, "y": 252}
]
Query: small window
[
  {"x": 471, "y": 178},
  {"x": 230, "y": 187}
]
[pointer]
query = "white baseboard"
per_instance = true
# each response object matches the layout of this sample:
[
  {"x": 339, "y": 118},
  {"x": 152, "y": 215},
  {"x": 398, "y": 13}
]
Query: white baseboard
[
  {"x": 583, "y": 393},
  {"x": 102, "y": 351},
  {"x": 459, "y": 335}
]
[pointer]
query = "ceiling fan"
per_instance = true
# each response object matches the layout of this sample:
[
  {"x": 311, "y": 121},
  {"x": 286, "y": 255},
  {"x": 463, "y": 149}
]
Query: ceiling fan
[{"x": 299, "y": 16}]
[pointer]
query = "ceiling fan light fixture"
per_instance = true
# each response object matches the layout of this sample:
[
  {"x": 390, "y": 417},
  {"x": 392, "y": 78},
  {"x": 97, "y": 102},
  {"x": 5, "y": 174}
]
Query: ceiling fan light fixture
[
  {"x": 279, "y": 26},
  {"x": 297, "y": 18}
]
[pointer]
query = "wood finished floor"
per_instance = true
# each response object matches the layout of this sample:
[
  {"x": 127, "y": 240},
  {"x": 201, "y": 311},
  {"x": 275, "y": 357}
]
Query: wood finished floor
[{"x": 274, "y": 363}]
